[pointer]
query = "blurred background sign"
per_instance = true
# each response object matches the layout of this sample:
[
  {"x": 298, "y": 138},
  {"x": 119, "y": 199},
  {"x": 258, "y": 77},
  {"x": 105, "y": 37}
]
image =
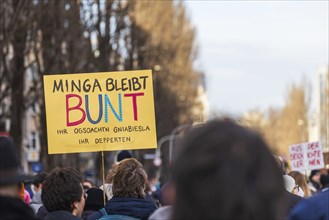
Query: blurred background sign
[
  {"x": 37, "y": 167},
  {"x": 33, "y": 156}
]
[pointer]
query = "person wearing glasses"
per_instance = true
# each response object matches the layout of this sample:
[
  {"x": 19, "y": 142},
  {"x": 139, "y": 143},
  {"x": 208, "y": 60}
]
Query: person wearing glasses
[
  {"x": 291, "y": 194},
  {"x": 304, "y": 190},
  {"x": 63, "y": 195}
]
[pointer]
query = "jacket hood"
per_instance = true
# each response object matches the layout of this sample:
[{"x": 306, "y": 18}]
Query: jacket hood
[{"x": 134, "y": 207}]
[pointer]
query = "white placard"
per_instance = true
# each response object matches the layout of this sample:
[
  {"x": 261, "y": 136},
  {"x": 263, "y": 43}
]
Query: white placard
[{"x": 306, "y": 156}]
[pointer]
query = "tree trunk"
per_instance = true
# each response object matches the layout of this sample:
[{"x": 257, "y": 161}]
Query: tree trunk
[{"x": 17, "y": 83}]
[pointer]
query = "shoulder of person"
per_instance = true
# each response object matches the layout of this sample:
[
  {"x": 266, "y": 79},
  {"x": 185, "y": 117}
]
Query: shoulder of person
[{"x": 105, "y": 216}]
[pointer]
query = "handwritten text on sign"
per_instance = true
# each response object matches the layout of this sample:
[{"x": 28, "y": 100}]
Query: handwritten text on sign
[
  {"x": 306, "y": 156},
  {"x": 100, "y": 111}
]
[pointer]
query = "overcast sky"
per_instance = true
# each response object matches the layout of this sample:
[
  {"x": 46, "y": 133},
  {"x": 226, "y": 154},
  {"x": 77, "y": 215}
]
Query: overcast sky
[{"x": 252, "y": 50}]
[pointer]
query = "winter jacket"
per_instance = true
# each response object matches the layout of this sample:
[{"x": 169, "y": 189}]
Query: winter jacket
[
  {"x": 87, "y": 213},
  {"x": 293, "y": 200},
  {"x": 133, "y": 207},
  {"x": 315, "y": 208},
  {"x": 42, "y": 212},
  {"x": 61, "y": 215}
]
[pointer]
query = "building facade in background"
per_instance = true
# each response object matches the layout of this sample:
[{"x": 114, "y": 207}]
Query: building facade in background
[
  {"x": 319, "y": 126},
  {"x": 319, "y": 120}
]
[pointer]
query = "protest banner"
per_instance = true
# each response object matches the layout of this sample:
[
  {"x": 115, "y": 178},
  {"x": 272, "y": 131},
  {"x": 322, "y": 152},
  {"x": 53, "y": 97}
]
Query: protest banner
[
  {"x": 306, "y": 156},
  {"x": 296, "y": 153},
  {"x": 106, "y": 111}
]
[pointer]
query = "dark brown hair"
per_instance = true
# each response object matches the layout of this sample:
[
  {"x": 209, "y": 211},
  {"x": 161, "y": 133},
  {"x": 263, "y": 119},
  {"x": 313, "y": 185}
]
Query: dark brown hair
[
  {"x": 61, "y": 188},
  {"x": 129, "y": 179},
  {"x": 226, "y": 171}
]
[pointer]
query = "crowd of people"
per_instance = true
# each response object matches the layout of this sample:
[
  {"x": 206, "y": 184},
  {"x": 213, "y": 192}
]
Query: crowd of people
[{"x": 221, "y": 170}]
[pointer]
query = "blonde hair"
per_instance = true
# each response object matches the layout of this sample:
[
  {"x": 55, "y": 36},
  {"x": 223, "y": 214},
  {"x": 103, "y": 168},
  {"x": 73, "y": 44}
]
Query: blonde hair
[{"x": 300, "y": 180}]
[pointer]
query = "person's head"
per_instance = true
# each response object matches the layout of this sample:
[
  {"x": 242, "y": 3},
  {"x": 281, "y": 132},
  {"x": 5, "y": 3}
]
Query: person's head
[
  {"x": 95, "y": 199},
  {"x": 300, "y": 180},
  {"x": 315, "y": 176},
  {"x": 226, "y": 171},
  {"x": 290, "y": 184},
  {"x": 124, "y": 154},
  {"x": 129, "y": 179},
  {"x": 38, "y": 180},
  {"x": 11, "y": 175},
  {"x": 62, "y": 190},
  {"x": 324, "y": 180},
  {"x": 87, "y": 184}
]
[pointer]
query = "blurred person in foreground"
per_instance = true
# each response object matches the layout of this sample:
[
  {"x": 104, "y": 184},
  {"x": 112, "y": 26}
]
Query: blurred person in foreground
[
  {"x": 128, "y": 199},
  {"x": 11, "y": 177},
  {"x": 63, "y": 195},
  {"x": 313, "y": 208},
  {"x": 226, "y": 171},
  {"x": 301, "y": 181}
]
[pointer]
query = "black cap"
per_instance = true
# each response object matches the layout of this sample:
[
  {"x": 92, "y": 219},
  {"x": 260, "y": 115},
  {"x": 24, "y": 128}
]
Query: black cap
[{"x": 124, "y": 154}]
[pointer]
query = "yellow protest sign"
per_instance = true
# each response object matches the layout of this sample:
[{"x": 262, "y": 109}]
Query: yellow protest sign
[{"x": 107, "y": 111}]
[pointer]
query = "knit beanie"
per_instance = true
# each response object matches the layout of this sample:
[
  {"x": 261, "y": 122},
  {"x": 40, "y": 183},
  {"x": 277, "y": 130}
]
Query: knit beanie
[
  {"x": 95, "y": 199},
  {"x": 289, "y": 183},
  {"x": 314, "y": 172},
  {"x": 124, "y": 154}
]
